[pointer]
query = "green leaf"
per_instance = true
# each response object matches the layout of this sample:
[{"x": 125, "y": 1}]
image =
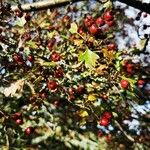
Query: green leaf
[
  {"x": 108, "y": 5},
  {"x": 32, "y": 44},
  {"x": 89, "y": 57},
  {"x": 20, "y": 22},
  {"x": 74, "y": 28}
]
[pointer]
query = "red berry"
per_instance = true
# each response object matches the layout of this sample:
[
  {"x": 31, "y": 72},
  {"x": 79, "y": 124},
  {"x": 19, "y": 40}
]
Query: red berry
[
  {"x": 104, "y": 121},
  {"x": 110, "y": 23},
  {"x": 55, "y": 57},
  {"x": 80, "y": 31},
  {"x": 93, "y": 29},
  {"x": 43, "y": 95},
  {"x": 17, "y": 57},
  {"x": 108, "y": 115},
  {"x": 108, "y": 16},
  {"x": 18, "y": 13},
  {"x": 29, "y": 130},
  {"x": 58, "y": 73},
  {"x": 27, "y": 17},
  {"x": 125, "y": 62},
  {"x": 100, "y": 22},
  {"x": 124, "y": 84},
  {"x": 31, "y": 58},
  {"x": 16, "y": 116},
  {"x": 112, "y": 46},
  {"x": 51, "y": 43},
  {"x": 80, "y": 90},
  {"x": 88, "y": 21},
  {"x": 27, "y": 36},
  {"x": 19, "y": 121},
  {"x": 141, "y": 82},
  {"x": 52, "y": 85},
  {"x": 71, "y": 91},
  {"x": 130, "y": 68}
]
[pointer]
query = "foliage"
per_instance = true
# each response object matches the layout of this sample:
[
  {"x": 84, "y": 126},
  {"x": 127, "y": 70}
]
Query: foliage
[{"x": 60, "y": 77}]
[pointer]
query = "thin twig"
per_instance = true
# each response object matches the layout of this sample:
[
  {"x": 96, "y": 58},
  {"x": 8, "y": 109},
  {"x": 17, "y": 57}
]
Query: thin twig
[{"x": 124, "y": 132}]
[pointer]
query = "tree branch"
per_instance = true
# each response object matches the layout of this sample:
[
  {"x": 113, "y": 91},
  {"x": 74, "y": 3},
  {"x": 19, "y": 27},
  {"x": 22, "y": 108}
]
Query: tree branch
[
  {"x": 39, "y": 5},
  {"x": 145, "y": 7}
]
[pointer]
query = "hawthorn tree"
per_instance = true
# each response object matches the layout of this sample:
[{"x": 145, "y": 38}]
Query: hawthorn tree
[{"x": 65, "y": 84}]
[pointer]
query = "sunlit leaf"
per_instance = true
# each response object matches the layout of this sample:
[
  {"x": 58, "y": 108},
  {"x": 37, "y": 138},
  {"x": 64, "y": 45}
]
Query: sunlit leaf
[
  {"x": 74, "y": 28},
  {"x": 101, "y": 69},
  {"x": 20, "y": 21},
  {"x": 83, "y": 113},
  {"x": 89, "y": 57},
  {"x": 92, "y": 97},
  {"x": 15, "y": 89}
]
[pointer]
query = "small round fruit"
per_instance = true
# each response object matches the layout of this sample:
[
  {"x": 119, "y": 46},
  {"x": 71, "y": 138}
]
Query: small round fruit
[
  {"x": 16, "y": 116},
  {"x": 19, "y": 121},
  {"x": 80, "y": 90},
  {"x": 17, "y": 58},
  {"x": 27, "y": 17},
  {"x": 141, "y": 82},
  {"x": 51, "y": 43},
  {"x": 88, "y": 21},
  {"x": 27, "y": 36},
  {"x": 55, "y": 57},
  {"x": 29, "y": 130},
  {"x": 93, "y": 29},
  {"x": 71, "y": 91},
  {"x": 110, "y": 23},
  {"x": 112, "y": 46},
  {"x": 124, "y": 84},
  {"x": 104, "y": 121},
  {"x": 108, "y": 16},
  {"x": 100, "y": 22},
  {"x": 18, "y": 13},
  {"x": 80, "y": 30},
  {"x": 52, "y": 85},
  {"x": 30, "y": 58},
  {"x": 58, "y": 73},
  {"x": 108, "y": 115}
]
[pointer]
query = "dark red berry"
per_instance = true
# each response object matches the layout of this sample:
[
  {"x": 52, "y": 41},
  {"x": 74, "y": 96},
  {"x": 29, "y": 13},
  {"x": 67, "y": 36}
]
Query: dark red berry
[
  {"x": 124, "y": 84},
  {"x": 55, "y": 57},
  {"x": 16, "y": 116},
  {"x": 110, "y": 23},
  {"x": 80, "y": 90},
  {"x": 19, "y": 121},
  {"x": 58, "y": 73},
  {"x": 93, "y": 29},
  {"x": 17, "y": 58},
  {"x": 141, "y": 82},
  {"x": 18, "y": 13},
  {"x": 51, "y": 43},
  {"x": 52, "y": 85},
  {"x": 100, "y": 22},
  {"x": 27, "y": 17},
  {"x": 29, "y": 130},
  {"x": 88, "y": 21},
  {"x": 27, "y": 36},
  {"x": 104, "y": 121},
  {"x": 108, "y": 16},
  {"x": 108, "y": 115},
  {"x": 71, "y": 91},
  {"x": 112, "y": 46},
  {"x": 130, "y": 68},
  {"x": 31, "y": 58},
  {"x": 80, "y": 30}
]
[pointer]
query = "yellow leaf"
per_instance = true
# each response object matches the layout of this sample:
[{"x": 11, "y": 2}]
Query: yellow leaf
[
  {"x": 108, "y": 54},
  {"x": 83, "y": 113},
  {"x": 101, "y": 69},
  {"x": 92, "y": 97}
]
